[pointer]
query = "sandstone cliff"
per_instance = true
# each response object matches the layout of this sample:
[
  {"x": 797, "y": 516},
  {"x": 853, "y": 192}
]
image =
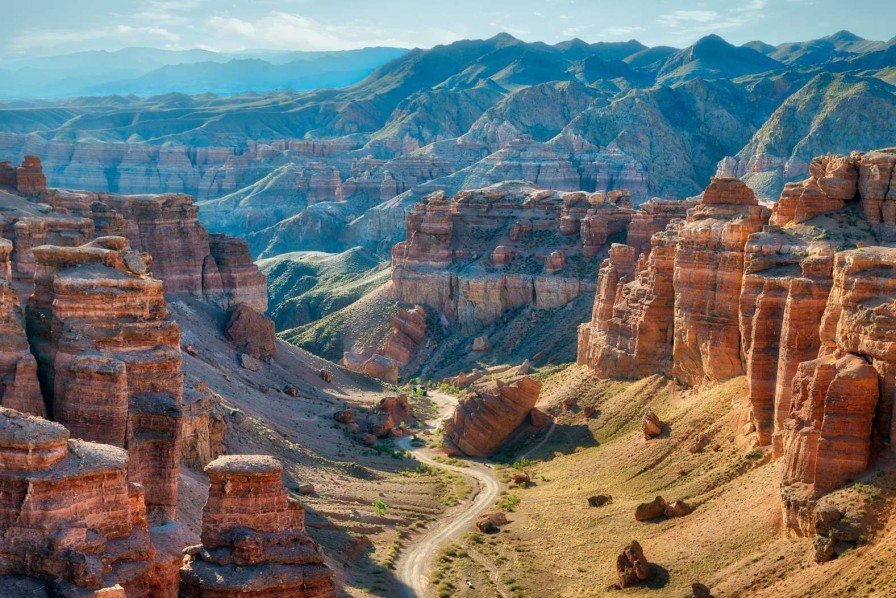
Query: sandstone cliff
[
  {"x": 802, "y": 304},
  {"x": 72, "y": 522},
  {"x": 109, "y": 358},
  {"x": 19, "y": 388},
  {"x": 253, "y": 537},
  {"x": 476, "y": 256}
]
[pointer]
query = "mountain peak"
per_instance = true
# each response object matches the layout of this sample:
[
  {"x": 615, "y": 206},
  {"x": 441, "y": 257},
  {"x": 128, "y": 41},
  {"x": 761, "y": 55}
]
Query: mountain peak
[{"x": 845, "y": 36}]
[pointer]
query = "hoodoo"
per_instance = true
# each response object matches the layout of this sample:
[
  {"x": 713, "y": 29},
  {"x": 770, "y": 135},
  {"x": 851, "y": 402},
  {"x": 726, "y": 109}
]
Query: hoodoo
[{"x": 253, "y": 537}]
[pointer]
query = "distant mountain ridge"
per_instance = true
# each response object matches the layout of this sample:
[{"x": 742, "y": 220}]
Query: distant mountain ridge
[
  {"x": 332, "y": 168},
  {"x": 151, "y": 71}
]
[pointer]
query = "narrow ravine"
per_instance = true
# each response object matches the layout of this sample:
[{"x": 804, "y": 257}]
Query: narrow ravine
[{"x": 418, "y": 560}]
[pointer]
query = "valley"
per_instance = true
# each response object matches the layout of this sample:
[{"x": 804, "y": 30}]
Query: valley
[{"x": 493, "y": 317}]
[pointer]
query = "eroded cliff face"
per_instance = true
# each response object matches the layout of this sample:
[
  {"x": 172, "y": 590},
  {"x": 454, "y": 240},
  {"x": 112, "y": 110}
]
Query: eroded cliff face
[
  {"x": 96, "y": 351},
  {"x": 109, "y": 358},
  {"x": 801, "y": 300},
  {"x": 189, "y": 260},
  {"x": 709, "y": 262},
  {"x": 19, "y": 388},
  {"x": 72, "y": 522},
  {"x": 253, "y": 537},
  {"x": 482, "y": 253}
]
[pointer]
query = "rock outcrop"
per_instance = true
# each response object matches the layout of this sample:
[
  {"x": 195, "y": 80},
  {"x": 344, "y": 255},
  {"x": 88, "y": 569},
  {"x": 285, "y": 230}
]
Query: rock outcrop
[
  {"x": 632, "y": 566},
  {"x": 253, "y": 537},
  {"x": 189, "y": 260},
  {"x": 709, "y": 262},
  {"x": 28, "y": 179},
  {"x": 19, "y": 387},
  {"x": 109, "y": 358},
  {"x": 630, "y": 333},
  {"x": 408, "y": 329},
  {"x": 483, "y": 422},
  {"x": 251, "y": 332},
  {"x": 71, "y": 521},
  {"x": 484, "y": 252},
  {"x": 790, "y": 303}
]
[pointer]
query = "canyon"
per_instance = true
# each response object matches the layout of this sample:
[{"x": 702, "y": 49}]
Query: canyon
[
  {"x": 214, "y": 382},
  {"x": 798, "y": 298},
  {"x": 91, "y": 494}
]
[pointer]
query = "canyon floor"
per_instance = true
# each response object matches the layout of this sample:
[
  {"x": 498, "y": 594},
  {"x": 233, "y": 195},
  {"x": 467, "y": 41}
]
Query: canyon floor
[{"x": 734, "y": 541}]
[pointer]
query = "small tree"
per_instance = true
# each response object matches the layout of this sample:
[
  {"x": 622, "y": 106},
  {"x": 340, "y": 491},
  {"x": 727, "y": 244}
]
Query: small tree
[{"x": 380, "y": 507}]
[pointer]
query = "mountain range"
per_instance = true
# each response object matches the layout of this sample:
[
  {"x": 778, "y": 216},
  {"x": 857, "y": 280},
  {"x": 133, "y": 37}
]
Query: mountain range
[
  {"x": 151, "y": 71},
  {"x": 332, "y": 168}
]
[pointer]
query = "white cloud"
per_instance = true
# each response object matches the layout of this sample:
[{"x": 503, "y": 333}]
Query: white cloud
[
  {"x": 288, "y": 31},
  {"x": 677, "y": 18},
  {"x": 58, "y": 38}
]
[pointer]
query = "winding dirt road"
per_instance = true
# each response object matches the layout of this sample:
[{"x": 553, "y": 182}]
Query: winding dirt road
[{"x": 419, "y": 559}]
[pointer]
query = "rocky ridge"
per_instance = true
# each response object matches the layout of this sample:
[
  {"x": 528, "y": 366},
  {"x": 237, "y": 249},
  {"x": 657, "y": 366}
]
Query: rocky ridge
[
  {"x": 800, "y": 298},
  {"x": 95, "y": 350}
]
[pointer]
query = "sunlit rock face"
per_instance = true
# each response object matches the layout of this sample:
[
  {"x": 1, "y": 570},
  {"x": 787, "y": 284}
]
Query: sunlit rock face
[
  {"x": 73, "y": 524},
  {"x": 483, "y": 422},
  {"x": 253, "y": 537},
  {"x": 109, "y": 358}
]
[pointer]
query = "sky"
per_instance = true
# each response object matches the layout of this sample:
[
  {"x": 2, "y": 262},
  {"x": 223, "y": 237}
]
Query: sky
[{"x": 61, "y": 26}]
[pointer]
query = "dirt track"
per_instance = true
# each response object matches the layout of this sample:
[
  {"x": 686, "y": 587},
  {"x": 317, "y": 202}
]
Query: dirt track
[{"x": 418, "y": 560}]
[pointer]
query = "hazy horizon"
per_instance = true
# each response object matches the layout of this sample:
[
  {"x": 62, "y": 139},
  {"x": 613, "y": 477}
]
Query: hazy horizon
[{"x": 286, "y": 25}]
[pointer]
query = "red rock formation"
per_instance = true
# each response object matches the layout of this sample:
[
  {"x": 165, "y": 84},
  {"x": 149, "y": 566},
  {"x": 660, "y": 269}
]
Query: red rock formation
[
  {"x": 860, "y": 317},
  {"x": 253, "y": 537},
  {"x": 240, "y": 278},
  {"x": 876, "y": 185},
  {"x": 784, "y": 292},
  {"x": 376, "y": 366},
  {"x": 827, "y": 440},
  {"x": 186, "y": 258},
  {"x": 109, "y": 358},
  {"x": 251, "y": 332},
  {"x": 70, "y": 518},
  {"x": 19, "y": 388},
  {"x": 631, "y": 566},
  {"x": 28, "y": 232},
  {"x": 474, "y": 257},
  {"x": 653, "y": 217},
  {"x": 482, "y": 423},
  {"x": 708, "y": 271},
  {"x": 30, "y": 179},
  {"x": 408, "y": 329},
  {"x": 630, "y": 333},
  {"x": 204, "y": 424}
]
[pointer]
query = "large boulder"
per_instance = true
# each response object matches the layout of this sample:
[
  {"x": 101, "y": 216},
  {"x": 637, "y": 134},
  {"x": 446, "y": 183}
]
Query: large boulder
[
  {"x": 482, "y": 422},
  {"x": 251, "y": 332},
  {"x": 632, "y": 567}
]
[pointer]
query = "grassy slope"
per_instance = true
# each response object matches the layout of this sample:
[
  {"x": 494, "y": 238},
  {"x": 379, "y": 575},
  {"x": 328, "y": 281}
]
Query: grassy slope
[
  {"x": 733, "y": 542},
  {"x": 306, "y": 286}
]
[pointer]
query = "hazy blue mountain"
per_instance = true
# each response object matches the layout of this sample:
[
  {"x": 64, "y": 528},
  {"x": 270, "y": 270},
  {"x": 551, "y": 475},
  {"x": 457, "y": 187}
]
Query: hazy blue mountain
[{"x": 150, "y": 71}]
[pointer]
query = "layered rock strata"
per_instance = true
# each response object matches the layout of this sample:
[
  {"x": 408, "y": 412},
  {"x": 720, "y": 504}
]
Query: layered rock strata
[
  {"x": 407, "y": 331},
  {"x": 709, "y": 262},
  {"x": 19, "y": 387},
  {"x": 27, "y": 179},
  {"x": 72, "y": 523},
  {"x": 484, "y": 252},
  {"x": 109, "y": 358},
  {"x": 630, "y": 332},
  {"x": 804, "y": 305},
  {"x": 186, "y": 257},
  {"x": 481, "y": 423},
  {"x": 253, "y": 537}
]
